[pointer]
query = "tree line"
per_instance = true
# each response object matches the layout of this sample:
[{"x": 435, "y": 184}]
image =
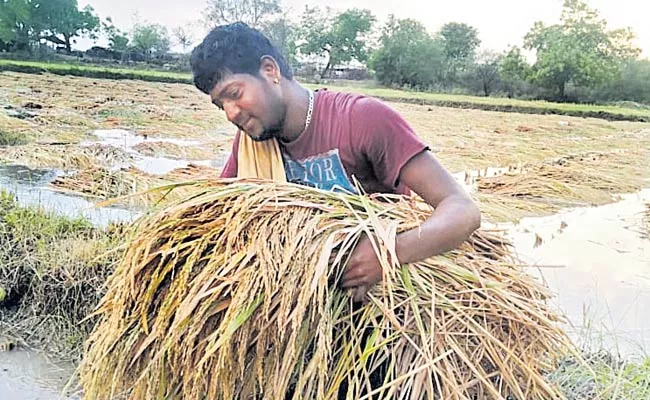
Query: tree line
[
  {"x": 576, "y": 59},
  {"x": 27, "y": 25}
]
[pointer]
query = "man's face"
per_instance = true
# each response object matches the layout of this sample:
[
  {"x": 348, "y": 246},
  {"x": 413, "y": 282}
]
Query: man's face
[{"x": 252, "y": 103}]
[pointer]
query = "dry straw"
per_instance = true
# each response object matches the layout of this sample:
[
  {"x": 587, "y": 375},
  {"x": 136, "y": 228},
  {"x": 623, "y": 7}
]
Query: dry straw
[
  {"x": 106, "y": 184},
  {"x": 206, "y": 151},
  {"x": 67, "y": 156},
  {"x": 233, "y": 293},
  {"x": 570, "y": 181},
  {"x": 129, "y": 185}
]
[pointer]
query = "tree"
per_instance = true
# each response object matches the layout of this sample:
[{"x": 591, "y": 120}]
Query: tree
[
  {"x": 408, "y": 55},
  {"x": 117, "y": 40},
  {"x": 16, "y": 22},
  {"x": 579, "y": 50},
  {"x": 283, "y": 34},
  {"x": 183, "y": 37},
  {"x": 24, "y": 22},
  {"x": 251, "y": 12},
  {"x": 459, "y": 42},
  {"x": 514, "y": 70},
  {"x": 632, "y": 84},
  {"x": 61, "y": 21},
  {"x": 486, "y": 70},
  {"x": 151, "y": 39},
  {"x": 340, "y": 38}
]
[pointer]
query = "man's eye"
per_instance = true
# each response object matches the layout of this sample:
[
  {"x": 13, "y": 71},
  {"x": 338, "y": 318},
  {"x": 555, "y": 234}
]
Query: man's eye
[{"x": 235, "y": 94}]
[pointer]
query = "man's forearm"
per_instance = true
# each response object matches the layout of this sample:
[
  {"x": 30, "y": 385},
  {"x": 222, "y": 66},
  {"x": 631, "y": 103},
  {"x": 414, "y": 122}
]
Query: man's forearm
[{"x": 452, "y": 222}]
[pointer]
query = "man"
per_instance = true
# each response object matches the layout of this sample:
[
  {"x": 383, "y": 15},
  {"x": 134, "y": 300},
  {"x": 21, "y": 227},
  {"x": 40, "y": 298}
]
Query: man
[{"x": 328, "y": 140}]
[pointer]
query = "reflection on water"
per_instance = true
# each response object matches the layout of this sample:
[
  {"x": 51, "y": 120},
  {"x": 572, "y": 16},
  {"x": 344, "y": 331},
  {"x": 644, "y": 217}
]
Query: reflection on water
[
  {"x": 598, "y": 265},
  {"x": 30, "y": 186},
  {"x": 25, "y": 176}
]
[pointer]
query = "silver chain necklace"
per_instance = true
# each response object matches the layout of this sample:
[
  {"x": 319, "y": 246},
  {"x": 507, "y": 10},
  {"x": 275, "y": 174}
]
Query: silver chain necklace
[{"x": 310, "y": 110}]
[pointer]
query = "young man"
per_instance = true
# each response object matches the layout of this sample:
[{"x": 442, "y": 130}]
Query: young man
[{"x": 327, "y": 138}]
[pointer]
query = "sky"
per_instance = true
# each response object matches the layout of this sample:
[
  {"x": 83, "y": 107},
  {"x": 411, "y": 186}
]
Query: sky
[{"x": 501, "y": 23}]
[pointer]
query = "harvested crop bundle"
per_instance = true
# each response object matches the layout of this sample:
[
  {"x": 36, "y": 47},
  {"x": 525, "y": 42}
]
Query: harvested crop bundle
[{"x": 233, "y": 293}]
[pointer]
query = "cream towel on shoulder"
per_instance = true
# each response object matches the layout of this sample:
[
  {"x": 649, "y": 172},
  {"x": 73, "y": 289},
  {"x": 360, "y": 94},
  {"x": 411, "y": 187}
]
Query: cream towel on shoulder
[{"x": 262, "y": 160}]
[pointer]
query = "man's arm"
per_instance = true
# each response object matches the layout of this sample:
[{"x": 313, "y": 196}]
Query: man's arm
[
  {"x": 400, "y": 159},
  {"x": 454, "y": 219}
]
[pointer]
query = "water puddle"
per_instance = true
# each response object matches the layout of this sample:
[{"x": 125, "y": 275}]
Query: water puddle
[
  {"x": 162, "y": 165},
  {"x": 153, "y": 165},
  {"x": 598, "y": 264},
  {"x": 27, "y": 375},
  {"x": 126, "y": 140},
  {"x": 30, "y": 186}
]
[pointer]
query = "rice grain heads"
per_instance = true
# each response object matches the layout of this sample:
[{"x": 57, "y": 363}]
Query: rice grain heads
[{"x": 233, "y": 294}]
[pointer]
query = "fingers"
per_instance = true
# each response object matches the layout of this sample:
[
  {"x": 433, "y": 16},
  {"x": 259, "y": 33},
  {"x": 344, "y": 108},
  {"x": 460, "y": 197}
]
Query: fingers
[
  {"x": 356, "y": 275},
  {"x": 360, "y": 294},
  {"x": 353, "y": 283},
  {"x": 353, "y": 273}
]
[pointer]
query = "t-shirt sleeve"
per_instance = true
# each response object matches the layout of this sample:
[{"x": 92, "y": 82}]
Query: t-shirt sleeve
[
  {"x": 386, "y": 138},
  {"x": 230, "y": 169}
]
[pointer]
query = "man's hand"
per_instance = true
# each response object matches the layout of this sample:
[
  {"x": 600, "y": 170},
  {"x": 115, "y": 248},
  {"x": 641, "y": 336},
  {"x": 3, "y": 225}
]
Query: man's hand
[
  {"x": 363, "y": 270},
  {"x": 455, "y": 217}
]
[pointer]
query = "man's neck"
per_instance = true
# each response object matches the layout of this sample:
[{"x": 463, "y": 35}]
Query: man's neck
[{"x": 297, "y": 105}]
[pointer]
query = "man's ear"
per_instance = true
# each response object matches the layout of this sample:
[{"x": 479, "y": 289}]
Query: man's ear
[{"x": 270, "y": 70}]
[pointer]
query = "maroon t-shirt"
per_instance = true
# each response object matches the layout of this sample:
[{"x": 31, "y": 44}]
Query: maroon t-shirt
[{"x": 350, "y": 135}]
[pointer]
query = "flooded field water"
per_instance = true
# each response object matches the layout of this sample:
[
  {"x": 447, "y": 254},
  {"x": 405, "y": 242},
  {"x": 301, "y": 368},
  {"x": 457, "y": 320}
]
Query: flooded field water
[
  {"x": 27, "y": 375},
  {"x": 30, "y": 186},
  {"x": 597, "y": 263}
]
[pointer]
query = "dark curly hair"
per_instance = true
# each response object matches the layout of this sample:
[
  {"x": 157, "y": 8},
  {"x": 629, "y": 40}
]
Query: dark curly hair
[{"x": 234, "y": 48}]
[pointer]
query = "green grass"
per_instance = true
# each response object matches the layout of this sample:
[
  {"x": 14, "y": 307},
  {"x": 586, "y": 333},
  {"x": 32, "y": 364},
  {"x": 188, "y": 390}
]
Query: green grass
[
  {"x": 52, "y": 273},
  {"x": 94, "y": 71},
  {"x": 610, "y": 112},
  {"x": 495, "y": 103},
  {"x": 12, "y": 139},
  {"x": 604, "y": 376}
]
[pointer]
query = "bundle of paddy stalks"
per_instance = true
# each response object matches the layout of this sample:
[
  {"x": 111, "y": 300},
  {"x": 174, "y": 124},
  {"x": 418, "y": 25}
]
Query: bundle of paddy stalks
[
  {"x": 559, "y": 184},
  {"x": 233, "y": 293},
  {"x": 499, "y": 208},
  {"x": 624, "y": 170},
  {"x": 174, "y": 151},
  {"x": 107, "y": 155},
  {"x": 66, "y": 156},
  {"x": 130, "y": 184},
  {"x": 192, "y": 171}
]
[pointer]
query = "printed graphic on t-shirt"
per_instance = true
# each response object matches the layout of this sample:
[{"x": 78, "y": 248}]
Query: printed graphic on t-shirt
[{"x": 324, "y": 171}]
